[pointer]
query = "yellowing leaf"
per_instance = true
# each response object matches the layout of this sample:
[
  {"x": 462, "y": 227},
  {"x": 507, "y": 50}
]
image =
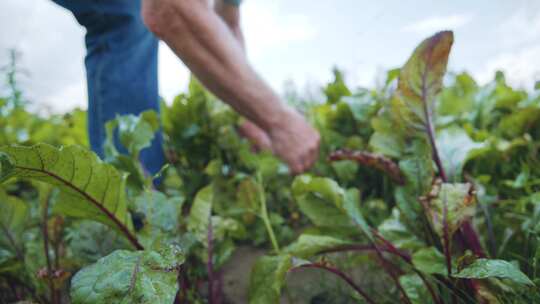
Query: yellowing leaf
[
  {"x": 460, "y": 203},
  {"x": 421, "y": 80}
]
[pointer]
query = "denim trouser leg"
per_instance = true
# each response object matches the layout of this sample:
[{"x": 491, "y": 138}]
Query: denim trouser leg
[{"x": 121, "y": 67}]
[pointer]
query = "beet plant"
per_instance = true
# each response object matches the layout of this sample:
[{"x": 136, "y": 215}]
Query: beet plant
[{"x": 423, "y": 193}]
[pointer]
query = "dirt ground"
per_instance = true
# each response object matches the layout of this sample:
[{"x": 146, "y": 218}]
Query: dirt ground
[{"x": 301, "y": 287}]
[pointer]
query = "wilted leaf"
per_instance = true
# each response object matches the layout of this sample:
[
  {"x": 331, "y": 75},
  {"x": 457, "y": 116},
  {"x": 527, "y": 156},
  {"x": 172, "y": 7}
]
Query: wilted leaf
[
  {"x": 421, "y": 80},
  {"x": 129, "y": 277},
  {"x": 460, "y": 203},
  {"x": 90, "y": 188},
  {"x": 486, "y": 268},
  {"x": 378, "y": 162},
  {"x": 267, "y": 279}
]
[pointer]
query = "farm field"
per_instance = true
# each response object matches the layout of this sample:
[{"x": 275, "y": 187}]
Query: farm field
[{"x": 426, "y": 191}]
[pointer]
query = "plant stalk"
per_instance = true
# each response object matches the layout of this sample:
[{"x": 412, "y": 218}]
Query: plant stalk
[
  {"x": 264, "y": 216},
  {"x": 45, "y": 232},
  {"x": 343, "y": 276},
  {"x": 210, "y": 263}
]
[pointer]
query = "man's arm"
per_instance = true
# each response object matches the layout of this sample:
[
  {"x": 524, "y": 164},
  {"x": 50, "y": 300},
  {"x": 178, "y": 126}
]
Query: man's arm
[
  {"x": 230, "y": 14},
  {"x": 202, "y": 40}
]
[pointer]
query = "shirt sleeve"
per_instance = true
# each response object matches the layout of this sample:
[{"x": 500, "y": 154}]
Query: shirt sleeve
[{"x": 233, "y": 2}]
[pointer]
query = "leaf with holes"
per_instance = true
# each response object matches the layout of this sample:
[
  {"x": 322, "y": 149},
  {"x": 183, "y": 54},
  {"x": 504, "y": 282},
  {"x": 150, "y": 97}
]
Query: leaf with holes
[
  {"x": 486, "y": 268},
  {"x": 129, "y": 277},
  {"x": 459, "y": 201}
]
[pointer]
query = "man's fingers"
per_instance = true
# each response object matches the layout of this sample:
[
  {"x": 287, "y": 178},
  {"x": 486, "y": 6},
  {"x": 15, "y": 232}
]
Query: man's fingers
[{"x": 296, "y": 167}]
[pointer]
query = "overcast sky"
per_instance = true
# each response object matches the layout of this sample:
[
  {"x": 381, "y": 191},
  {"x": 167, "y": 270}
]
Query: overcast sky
[{"x": 296, "y": 40}]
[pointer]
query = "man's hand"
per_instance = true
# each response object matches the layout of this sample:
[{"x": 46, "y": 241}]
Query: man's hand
[
  {"x": 258, "y": 138},
  {"x": 299, "y": 155},
  {"x": 295, "y": 141},
  {"x": 292, "y": 139}
]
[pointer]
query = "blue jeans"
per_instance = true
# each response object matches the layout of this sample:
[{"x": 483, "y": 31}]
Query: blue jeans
[{"x": 121, "y": 68}]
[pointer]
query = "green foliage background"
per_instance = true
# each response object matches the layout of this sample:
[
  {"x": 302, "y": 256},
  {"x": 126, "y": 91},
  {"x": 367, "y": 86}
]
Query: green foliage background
[{"x": 433, "y": 166}]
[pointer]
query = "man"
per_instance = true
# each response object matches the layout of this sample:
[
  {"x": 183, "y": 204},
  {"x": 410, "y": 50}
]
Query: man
[{"x": 121, "y": 66}]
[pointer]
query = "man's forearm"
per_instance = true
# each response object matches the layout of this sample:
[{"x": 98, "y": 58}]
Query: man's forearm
[
  {"x": 230, "y": 14},
  {"x": 205, "y": 44}
]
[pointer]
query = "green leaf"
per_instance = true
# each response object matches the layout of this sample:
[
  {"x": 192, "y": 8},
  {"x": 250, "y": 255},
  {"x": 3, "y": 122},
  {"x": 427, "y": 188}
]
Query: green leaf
[
  {"x": 386, "y": 139},
  {"x": 199, "y": 215},
  {"x": 160, "y": 217},
  {"x": 352, "y": 208},
  {"x": 308, "y": 245},
  {"x": 88, "y": 241},
  {"x": 129, "y": 277},
  {"x": 267, "y": 279},
  {"x": 362, "y": 107},
  {"x": 345, "y": 170},
  {"x": 417, "y": 168},
  {"x": 415, "y": 289},
  {"x": 454, "y": 147},
  {"x": 486, "y": 268},
  {"x": 321, "y": 200},
  {"x": 134, "y": 132},
  {"x": 458, "y": 98},
  {"x": 430, "y": 260},
  {"x": 90, "y": 189},
  {"x": 337, "y": 89},
  {"x": 520, "y": 121},
  {"x": 395, "y": 231},
  {"x": 421, "y": 80},
  {"x": 324, "y": 188},
  {"x": 249, "y": 195},
  {"x": 13, "y": 218}
]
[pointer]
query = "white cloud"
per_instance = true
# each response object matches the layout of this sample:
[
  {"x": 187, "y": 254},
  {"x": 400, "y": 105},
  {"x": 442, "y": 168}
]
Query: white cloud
[
  {"x": 437, "y": 23},
  {"x": 521, "y": 27},
  {"x": 521, "y": 67},
  {"x": 518, "y": 42},
  {"x": 268, "y": 27}
]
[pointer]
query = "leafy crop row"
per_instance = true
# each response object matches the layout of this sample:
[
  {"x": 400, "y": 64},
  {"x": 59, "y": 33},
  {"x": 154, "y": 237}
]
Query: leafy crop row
[{"x": 432, "y": 191}]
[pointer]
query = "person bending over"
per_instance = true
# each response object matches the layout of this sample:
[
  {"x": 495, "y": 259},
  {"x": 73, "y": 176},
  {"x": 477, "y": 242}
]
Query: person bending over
[{"x": 121, "y": 69}]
